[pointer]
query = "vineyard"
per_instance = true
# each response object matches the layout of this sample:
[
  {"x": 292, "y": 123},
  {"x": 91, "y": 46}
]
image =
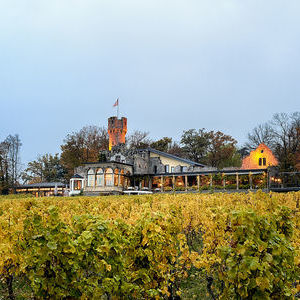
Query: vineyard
[{"x": 161, "y": 246}]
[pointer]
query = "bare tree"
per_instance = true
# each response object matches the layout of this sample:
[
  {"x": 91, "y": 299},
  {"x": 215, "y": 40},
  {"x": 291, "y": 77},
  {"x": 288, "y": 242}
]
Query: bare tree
[
  {"x": 14, "y": 146},
  {"x": 263, "y": 133},
  {"x": 286, "y": 130},
  {"x": 10, "y": 166},
  {"x": 138, "y": 140}
]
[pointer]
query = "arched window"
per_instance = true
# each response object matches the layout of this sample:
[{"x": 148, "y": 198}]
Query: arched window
[
  {"x": 91, "y": 178},
  {"x": 116, "y": 177},
  {"x": 127, "y": 179},
  {"x": 99, "y": 177},
  {"x": 121, "y": 183},
  {"x": 109, "y": 177}
]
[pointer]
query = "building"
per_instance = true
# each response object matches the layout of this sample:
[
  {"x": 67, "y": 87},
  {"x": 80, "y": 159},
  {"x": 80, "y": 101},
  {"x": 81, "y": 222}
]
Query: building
[
  {"x": 150, "y": 169},
  {"x": 261, "y": 157},
  {"x": 43, "y": 189},
  {"x": 117, "y": 129}
]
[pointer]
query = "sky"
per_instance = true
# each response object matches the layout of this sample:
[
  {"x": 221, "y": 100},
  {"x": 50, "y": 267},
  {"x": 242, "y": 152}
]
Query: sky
[{"x": 225, "y": 65}]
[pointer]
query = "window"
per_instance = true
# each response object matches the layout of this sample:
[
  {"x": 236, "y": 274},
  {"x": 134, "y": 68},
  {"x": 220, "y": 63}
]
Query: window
[
  {"x": 121, "y": 183},
  {"x": 116, "y": 177},
  {"x": 166, "y": 168},
  {"x": 183, "y": 169},
  {"x": 77, "y": 184},
  {"x": 259, "y": 161},
  {"x": 91, "y": 178},
  {"x": 155, "y": 169},
  {"x": 262, "y": 151},
  {"x": 172, "y": 169},
  {"x": 99, "y": 178},
  {"x": 118, "y": 157},
  {"x": 264, "y": 161},
  {"x": 109, "y": 177}
]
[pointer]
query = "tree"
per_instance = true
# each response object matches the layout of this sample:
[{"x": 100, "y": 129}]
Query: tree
[
  {"x": 138, "y": 140},
  {"x": 244, "y": 151},
  {"x": 14, "y": 146},
  {"x": 10, "y": 165},
  {"x": 222, "y": 151},
  {"x": 195, "y": 144},
  {"x": 4, "y": 168},
  {"x": 286, "y": 130},
  {"x": 163, "y": 144},
  {"x": 175, "y": 149},
  {"x": 282, "y": 135},
  {"x": 46, "y": 168},
  {"x": 83, "y": 146},
  {"x": 263, "y": 133}
]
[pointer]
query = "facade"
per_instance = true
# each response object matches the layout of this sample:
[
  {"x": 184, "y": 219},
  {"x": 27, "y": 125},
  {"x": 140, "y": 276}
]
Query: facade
[
  {"x": 126, "y": 168},
  {"x": 261, "y": 157},
  {"x": 153, "y": 170}
]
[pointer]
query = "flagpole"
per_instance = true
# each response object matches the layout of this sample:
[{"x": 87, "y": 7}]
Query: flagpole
[{"x": 118, "y": 109}]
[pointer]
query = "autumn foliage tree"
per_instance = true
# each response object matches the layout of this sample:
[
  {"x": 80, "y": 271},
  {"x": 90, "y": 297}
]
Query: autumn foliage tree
[
  {"x": 83, "y": 146},
  {"x": 214, "y": 149},
  {"x": 195, "y": 144},
  {"x": 46, "y": 168},
  {"x": 222, "y": 151}
]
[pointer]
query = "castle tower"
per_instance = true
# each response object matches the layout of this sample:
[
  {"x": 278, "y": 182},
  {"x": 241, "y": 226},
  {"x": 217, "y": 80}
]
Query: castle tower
[{"x": 117, "y": 129}]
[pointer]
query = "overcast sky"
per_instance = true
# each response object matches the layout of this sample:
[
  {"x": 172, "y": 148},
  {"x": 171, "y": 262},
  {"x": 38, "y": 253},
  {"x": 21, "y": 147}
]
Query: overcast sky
[{"x": 223, "y": 65}]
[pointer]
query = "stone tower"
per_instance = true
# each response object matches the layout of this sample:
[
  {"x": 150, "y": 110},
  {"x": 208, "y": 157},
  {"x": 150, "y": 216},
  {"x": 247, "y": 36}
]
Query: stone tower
[{"x": 117, "y": 129}]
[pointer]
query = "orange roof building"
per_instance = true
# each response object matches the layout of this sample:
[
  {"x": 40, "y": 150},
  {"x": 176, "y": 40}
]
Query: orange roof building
[{"x": 260, "y": 158}]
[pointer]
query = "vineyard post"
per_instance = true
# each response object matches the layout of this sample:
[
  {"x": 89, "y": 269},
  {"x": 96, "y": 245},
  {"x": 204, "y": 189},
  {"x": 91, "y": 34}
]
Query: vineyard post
[
  {"x": 185, "y": 182},
  {"x": 237, "y": 181},
  {"x": 211, "y": 180},
  {"x": 224, "y": 181},
  {"x": 161, "y": 183},
  {"x": 150, "y": 183},
  {"x": 268, "y": 180},
  {"x": 198, "y": 182},
  {"x": 173, "y": 182},
  {"x": 250, "y": 180}
]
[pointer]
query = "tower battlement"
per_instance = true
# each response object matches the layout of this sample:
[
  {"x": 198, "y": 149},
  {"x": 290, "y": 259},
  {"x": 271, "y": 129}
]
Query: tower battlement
[{"x": 117, "y": 129}]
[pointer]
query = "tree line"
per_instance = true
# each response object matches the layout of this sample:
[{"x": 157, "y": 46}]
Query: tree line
[{"x": 211, "y": 148}]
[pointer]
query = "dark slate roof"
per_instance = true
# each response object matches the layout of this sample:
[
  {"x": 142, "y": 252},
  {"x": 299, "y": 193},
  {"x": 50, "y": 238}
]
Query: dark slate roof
[
  {"x": 77, "y": 176},
  {"x": 42, "y": 185},
  {"x": 193, "y": 163},
  {"x": 106, "y": 163}
]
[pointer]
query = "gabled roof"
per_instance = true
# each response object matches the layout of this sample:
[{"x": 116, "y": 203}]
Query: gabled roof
[
  {"x": 193, "y": 163},
  {"x": 77, "y": 176}
]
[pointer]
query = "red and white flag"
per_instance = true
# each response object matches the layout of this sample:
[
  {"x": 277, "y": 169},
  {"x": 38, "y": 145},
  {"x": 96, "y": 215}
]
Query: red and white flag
[{"x": 116, "y": 103}]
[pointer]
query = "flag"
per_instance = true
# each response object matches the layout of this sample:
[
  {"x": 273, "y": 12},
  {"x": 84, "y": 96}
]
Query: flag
[{"x": 116, "y": 103}]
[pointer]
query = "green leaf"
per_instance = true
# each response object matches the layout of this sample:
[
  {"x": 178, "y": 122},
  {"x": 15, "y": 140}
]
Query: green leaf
[{"x": 52, "y": 245}]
